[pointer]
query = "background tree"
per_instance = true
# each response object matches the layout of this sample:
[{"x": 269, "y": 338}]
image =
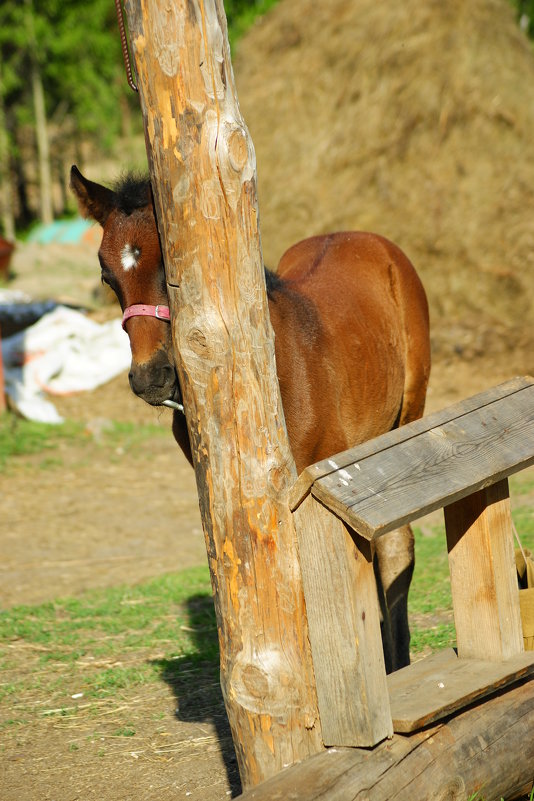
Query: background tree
[
  {"x": 62, "y": 84},
  {"x": 70, "y": 52},
  {"x": 525, "y": 9}
]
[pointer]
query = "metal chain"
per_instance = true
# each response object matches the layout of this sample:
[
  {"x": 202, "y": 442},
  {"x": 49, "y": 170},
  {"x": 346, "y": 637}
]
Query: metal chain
[{"x": 124, "y": 44}]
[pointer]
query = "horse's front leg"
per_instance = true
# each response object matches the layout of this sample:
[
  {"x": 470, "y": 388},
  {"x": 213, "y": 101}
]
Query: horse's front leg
[
  {"x": 394, "y": 565},
  {"x": 181, "y": 434}
]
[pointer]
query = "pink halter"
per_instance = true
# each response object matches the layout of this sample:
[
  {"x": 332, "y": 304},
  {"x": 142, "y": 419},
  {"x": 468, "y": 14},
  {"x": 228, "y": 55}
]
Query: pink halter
[{"x": 142, "y": 310}]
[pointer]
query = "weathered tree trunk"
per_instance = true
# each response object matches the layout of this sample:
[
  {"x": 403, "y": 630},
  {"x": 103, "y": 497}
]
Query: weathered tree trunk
[
  {"x": 203, "y": 174},
  {"x": 43, "y": 150},
  {"x": 41, "y": 128},
  {"x": 6, "y": 188},
  {"x": 487, "y": 749}
]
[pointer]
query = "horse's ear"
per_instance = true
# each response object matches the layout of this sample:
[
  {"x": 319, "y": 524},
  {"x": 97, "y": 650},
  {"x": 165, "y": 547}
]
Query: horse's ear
[{"x": 94, "y": 201}]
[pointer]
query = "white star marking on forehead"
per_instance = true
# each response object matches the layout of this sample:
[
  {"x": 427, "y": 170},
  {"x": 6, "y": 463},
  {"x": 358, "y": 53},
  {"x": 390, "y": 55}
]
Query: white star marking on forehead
[{"x": 129, "y": 257}]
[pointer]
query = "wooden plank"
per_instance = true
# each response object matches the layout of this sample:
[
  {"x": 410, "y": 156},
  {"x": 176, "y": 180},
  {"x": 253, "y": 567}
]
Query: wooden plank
[
  {"x": 441, "y": 684},
  {"x": 454, "y": 760},
  {"x": 344, "y": 629},
  {"x": 483, "y": 575},
  {"x": 394, "y": 486},
  {"x": 392, "y": 438}
]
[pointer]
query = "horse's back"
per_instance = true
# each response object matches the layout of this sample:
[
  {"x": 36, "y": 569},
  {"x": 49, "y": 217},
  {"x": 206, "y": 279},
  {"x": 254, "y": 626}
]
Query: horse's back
[
  {"x": 368, "y": 366},
  {"x": 369, "y": 263}
]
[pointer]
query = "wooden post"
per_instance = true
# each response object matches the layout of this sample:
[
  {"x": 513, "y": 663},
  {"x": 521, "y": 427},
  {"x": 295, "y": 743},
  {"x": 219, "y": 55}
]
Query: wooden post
[
  {"x": 344, "y": 623},
  {"x": 483, "y": 578},
  {"x": 202, "y": 167}
]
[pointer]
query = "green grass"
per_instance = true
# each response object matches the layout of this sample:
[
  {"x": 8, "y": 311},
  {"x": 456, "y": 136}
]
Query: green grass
[
  {"x": 430, "y": 595},
  {"x": 88, "y": 655},
  {"x": 173, "y": 614},
  {"x": 479, "y": 796},
  {"x": 19, "y": 438},
  {"x": 109, "y": 640},
  {"x": 135, "y": 635}
]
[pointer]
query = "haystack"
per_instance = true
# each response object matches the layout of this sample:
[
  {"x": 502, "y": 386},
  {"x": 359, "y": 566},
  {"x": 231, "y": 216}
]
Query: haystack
[{"x": 414, "y": 120}]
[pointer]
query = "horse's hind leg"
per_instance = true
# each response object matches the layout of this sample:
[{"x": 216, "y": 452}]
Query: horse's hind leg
[
  {"x": 394, "y": 552},
  {"x": 394, "y": 564}
]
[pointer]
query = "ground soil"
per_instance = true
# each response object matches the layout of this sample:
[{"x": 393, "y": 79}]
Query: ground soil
[{"x": 100, "y": 522}]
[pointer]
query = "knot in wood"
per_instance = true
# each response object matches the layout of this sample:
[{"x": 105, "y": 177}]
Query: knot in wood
[
  {"x": 237, "y": 148},
  {"x": 234, "y": 150},
  {"x": 256, "y": 681},
  {"x": 203, "y": 339},
  {"x": 265, "y": 684},
  {"x": 454, "y": 790},
  {"x": 198, "y": 342},
  {"x": 279, "y": 477}
]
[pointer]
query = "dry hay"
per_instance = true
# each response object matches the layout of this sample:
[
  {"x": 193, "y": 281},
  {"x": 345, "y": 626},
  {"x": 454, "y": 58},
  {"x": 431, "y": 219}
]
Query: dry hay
[{"x": 414, "y": 120}]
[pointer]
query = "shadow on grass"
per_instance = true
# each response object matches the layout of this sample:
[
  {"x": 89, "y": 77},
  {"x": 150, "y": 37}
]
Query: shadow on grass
[{"x": 195, "y": 683}]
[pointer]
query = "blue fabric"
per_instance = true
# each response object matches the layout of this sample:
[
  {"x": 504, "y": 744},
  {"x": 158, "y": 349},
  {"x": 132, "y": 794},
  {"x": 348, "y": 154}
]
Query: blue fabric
[{"x": 65, "y": 231}]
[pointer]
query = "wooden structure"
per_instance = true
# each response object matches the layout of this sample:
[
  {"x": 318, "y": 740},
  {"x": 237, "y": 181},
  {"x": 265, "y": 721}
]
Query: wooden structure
[
  {"x": 487, "y": 749},
  {"x": 458, "y": 458},
  {"x": 282, "y": 705}
]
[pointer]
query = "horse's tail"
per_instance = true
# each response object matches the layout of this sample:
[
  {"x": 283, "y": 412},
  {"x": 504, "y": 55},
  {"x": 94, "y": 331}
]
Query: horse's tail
[{"x": 416, "y": 332}]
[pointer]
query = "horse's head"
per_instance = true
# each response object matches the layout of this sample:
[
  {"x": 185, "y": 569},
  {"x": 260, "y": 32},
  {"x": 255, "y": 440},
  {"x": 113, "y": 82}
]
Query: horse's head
[{"x": 132, "y": 265}]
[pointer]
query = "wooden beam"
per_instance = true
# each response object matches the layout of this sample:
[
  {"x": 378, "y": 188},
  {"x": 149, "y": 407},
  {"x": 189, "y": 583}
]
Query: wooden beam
[
  {"x": 488, "y": 750},
  {"x": 484, "y": 586},
  {"x": 344, "y": 626},
  {"x": 441, "y": 684},
  {"x": 202, "y": 168},
  {"x": 399, "y": 435},
  {"x": 390, "y": 483}
]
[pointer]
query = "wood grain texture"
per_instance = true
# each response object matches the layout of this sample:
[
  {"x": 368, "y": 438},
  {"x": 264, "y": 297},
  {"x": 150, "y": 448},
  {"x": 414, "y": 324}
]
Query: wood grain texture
[
  {"x": 202, "y": 167},
  {"x": 386, "y": 441},
  {"x": 396, "y": 485},
  {"x": 439, "y": 685},
  {"x": 344, "y": 626},
  {"x": 488, "y": 748},
  {"x": 484, "y": 586}
]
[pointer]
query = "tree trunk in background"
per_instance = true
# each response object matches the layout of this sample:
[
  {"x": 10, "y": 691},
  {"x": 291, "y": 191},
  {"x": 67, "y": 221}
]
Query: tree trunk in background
[
  {"x": 45, "y": 177},
  {"x": 41, "y": 130},
  {"x": 202, "y": 168},
  {"x": 6, "y": 184}
]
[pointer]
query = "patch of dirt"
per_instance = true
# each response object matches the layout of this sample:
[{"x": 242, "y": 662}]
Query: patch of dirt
[
  {"x": 84, "y": 756},
  {"x": 93, "y": 523}
]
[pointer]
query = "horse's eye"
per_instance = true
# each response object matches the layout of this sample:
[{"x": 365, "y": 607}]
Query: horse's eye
[{"x": 107, "y": 279}]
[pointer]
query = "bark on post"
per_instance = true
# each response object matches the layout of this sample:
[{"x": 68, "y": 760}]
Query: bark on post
[{"x": 203, "y": 174}]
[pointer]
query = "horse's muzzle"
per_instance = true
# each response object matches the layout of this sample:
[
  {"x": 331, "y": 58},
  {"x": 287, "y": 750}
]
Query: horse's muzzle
[{"x": 155, "y": 381}]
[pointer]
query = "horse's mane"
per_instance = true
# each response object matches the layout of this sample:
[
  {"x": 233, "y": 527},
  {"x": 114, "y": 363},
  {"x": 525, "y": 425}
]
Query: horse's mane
[
  {"x": 132, "y": 191},
  {"x": 273, "y": 282}
]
